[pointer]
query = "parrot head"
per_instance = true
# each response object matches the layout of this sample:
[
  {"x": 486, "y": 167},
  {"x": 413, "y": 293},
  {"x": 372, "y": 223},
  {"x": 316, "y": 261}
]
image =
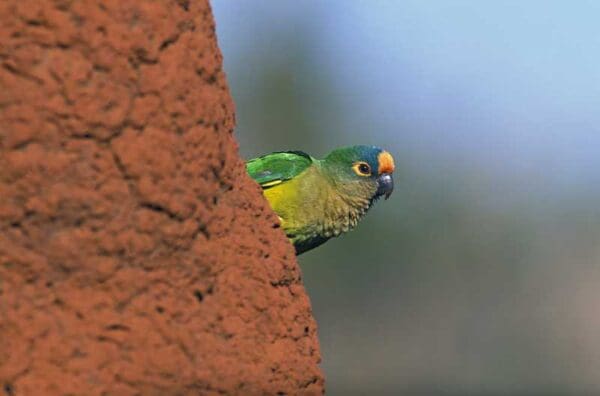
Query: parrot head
[{"x": 363, "y": 171}]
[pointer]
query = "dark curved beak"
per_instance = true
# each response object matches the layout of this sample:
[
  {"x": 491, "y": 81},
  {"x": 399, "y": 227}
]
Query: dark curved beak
[{"x": 385, "y": 185}]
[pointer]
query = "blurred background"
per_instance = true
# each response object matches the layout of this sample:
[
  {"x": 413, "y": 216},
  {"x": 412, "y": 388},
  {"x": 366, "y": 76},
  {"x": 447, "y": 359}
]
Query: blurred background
[{"x": 481, "y": 274}]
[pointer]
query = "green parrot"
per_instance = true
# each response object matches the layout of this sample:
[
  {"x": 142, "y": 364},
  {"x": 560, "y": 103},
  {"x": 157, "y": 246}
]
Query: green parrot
[{"x": 320, "y": 199}]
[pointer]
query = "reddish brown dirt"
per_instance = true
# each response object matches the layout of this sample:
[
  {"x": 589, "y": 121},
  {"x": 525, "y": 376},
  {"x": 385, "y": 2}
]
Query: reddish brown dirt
[{"x": 136, "y": 256}]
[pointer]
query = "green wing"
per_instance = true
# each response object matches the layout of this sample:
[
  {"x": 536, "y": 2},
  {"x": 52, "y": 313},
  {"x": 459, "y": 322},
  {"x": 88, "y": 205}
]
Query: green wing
[{"x": 272, "y": 169}]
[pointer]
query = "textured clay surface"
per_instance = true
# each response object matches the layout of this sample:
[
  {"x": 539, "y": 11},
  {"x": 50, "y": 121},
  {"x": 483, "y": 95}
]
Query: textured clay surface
[{"x": 136, "y": 256}]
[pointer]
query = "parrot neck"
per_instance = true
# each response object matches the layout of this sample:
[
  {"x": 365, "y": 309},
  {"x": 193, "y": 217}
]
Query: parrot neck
[
  {"x": 343, "y": 209},
  {"x": 343, "y": 215}
]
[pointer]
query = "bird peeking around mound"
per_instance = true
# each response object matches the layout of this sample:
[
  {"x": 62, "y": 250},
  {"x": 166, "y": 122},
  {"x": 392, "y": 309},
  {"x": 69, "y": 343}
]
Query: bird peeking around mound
[{"x": 320, "y": 199}]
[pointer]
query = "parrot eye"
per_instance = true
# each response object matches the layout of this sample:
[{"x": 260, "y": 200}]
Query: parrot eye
[{"x": 362, "y": 169}]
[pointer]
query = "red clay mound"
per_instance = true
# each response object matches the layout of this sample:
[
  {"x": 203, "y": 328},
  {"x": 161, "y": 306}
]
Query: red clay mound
[{"x": 136, "y": 256}]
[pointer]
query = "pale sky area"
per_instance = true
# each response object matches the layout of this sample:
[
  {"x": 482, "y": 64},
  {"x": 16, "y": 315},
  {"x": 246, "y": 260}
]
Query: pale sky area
[{"x": 509, "y": 87}]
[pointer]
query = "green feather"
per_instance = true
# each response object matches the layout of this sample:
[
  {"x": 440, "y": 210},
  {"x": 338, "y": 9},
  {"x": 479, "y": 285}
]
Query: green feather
[{"x": 275, "y": 168}]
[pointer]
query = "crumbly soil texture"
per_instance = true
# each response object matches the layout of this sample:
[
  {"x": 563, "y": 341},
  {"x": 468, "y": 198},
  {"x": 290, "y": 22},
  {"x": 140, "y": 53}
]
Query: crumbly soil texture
[{"x": 136, "y": 256}]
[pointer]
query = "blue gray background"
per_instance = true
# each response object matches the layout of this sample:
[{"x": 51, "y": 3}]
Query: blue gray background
[{"x": 481, "y": 274}]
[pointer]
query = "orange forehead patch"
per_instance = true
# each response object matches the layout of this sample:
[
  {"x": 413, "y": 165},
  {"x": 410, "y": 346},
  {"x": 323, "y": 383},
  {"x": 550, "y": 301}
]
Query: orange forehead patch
[{"x": 386, "y": 162}]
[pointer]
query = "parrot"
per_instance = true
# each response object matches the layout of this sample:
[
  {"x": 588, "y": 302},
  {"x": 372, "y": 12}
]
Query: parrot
[{"x": 318, "y": 199}]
